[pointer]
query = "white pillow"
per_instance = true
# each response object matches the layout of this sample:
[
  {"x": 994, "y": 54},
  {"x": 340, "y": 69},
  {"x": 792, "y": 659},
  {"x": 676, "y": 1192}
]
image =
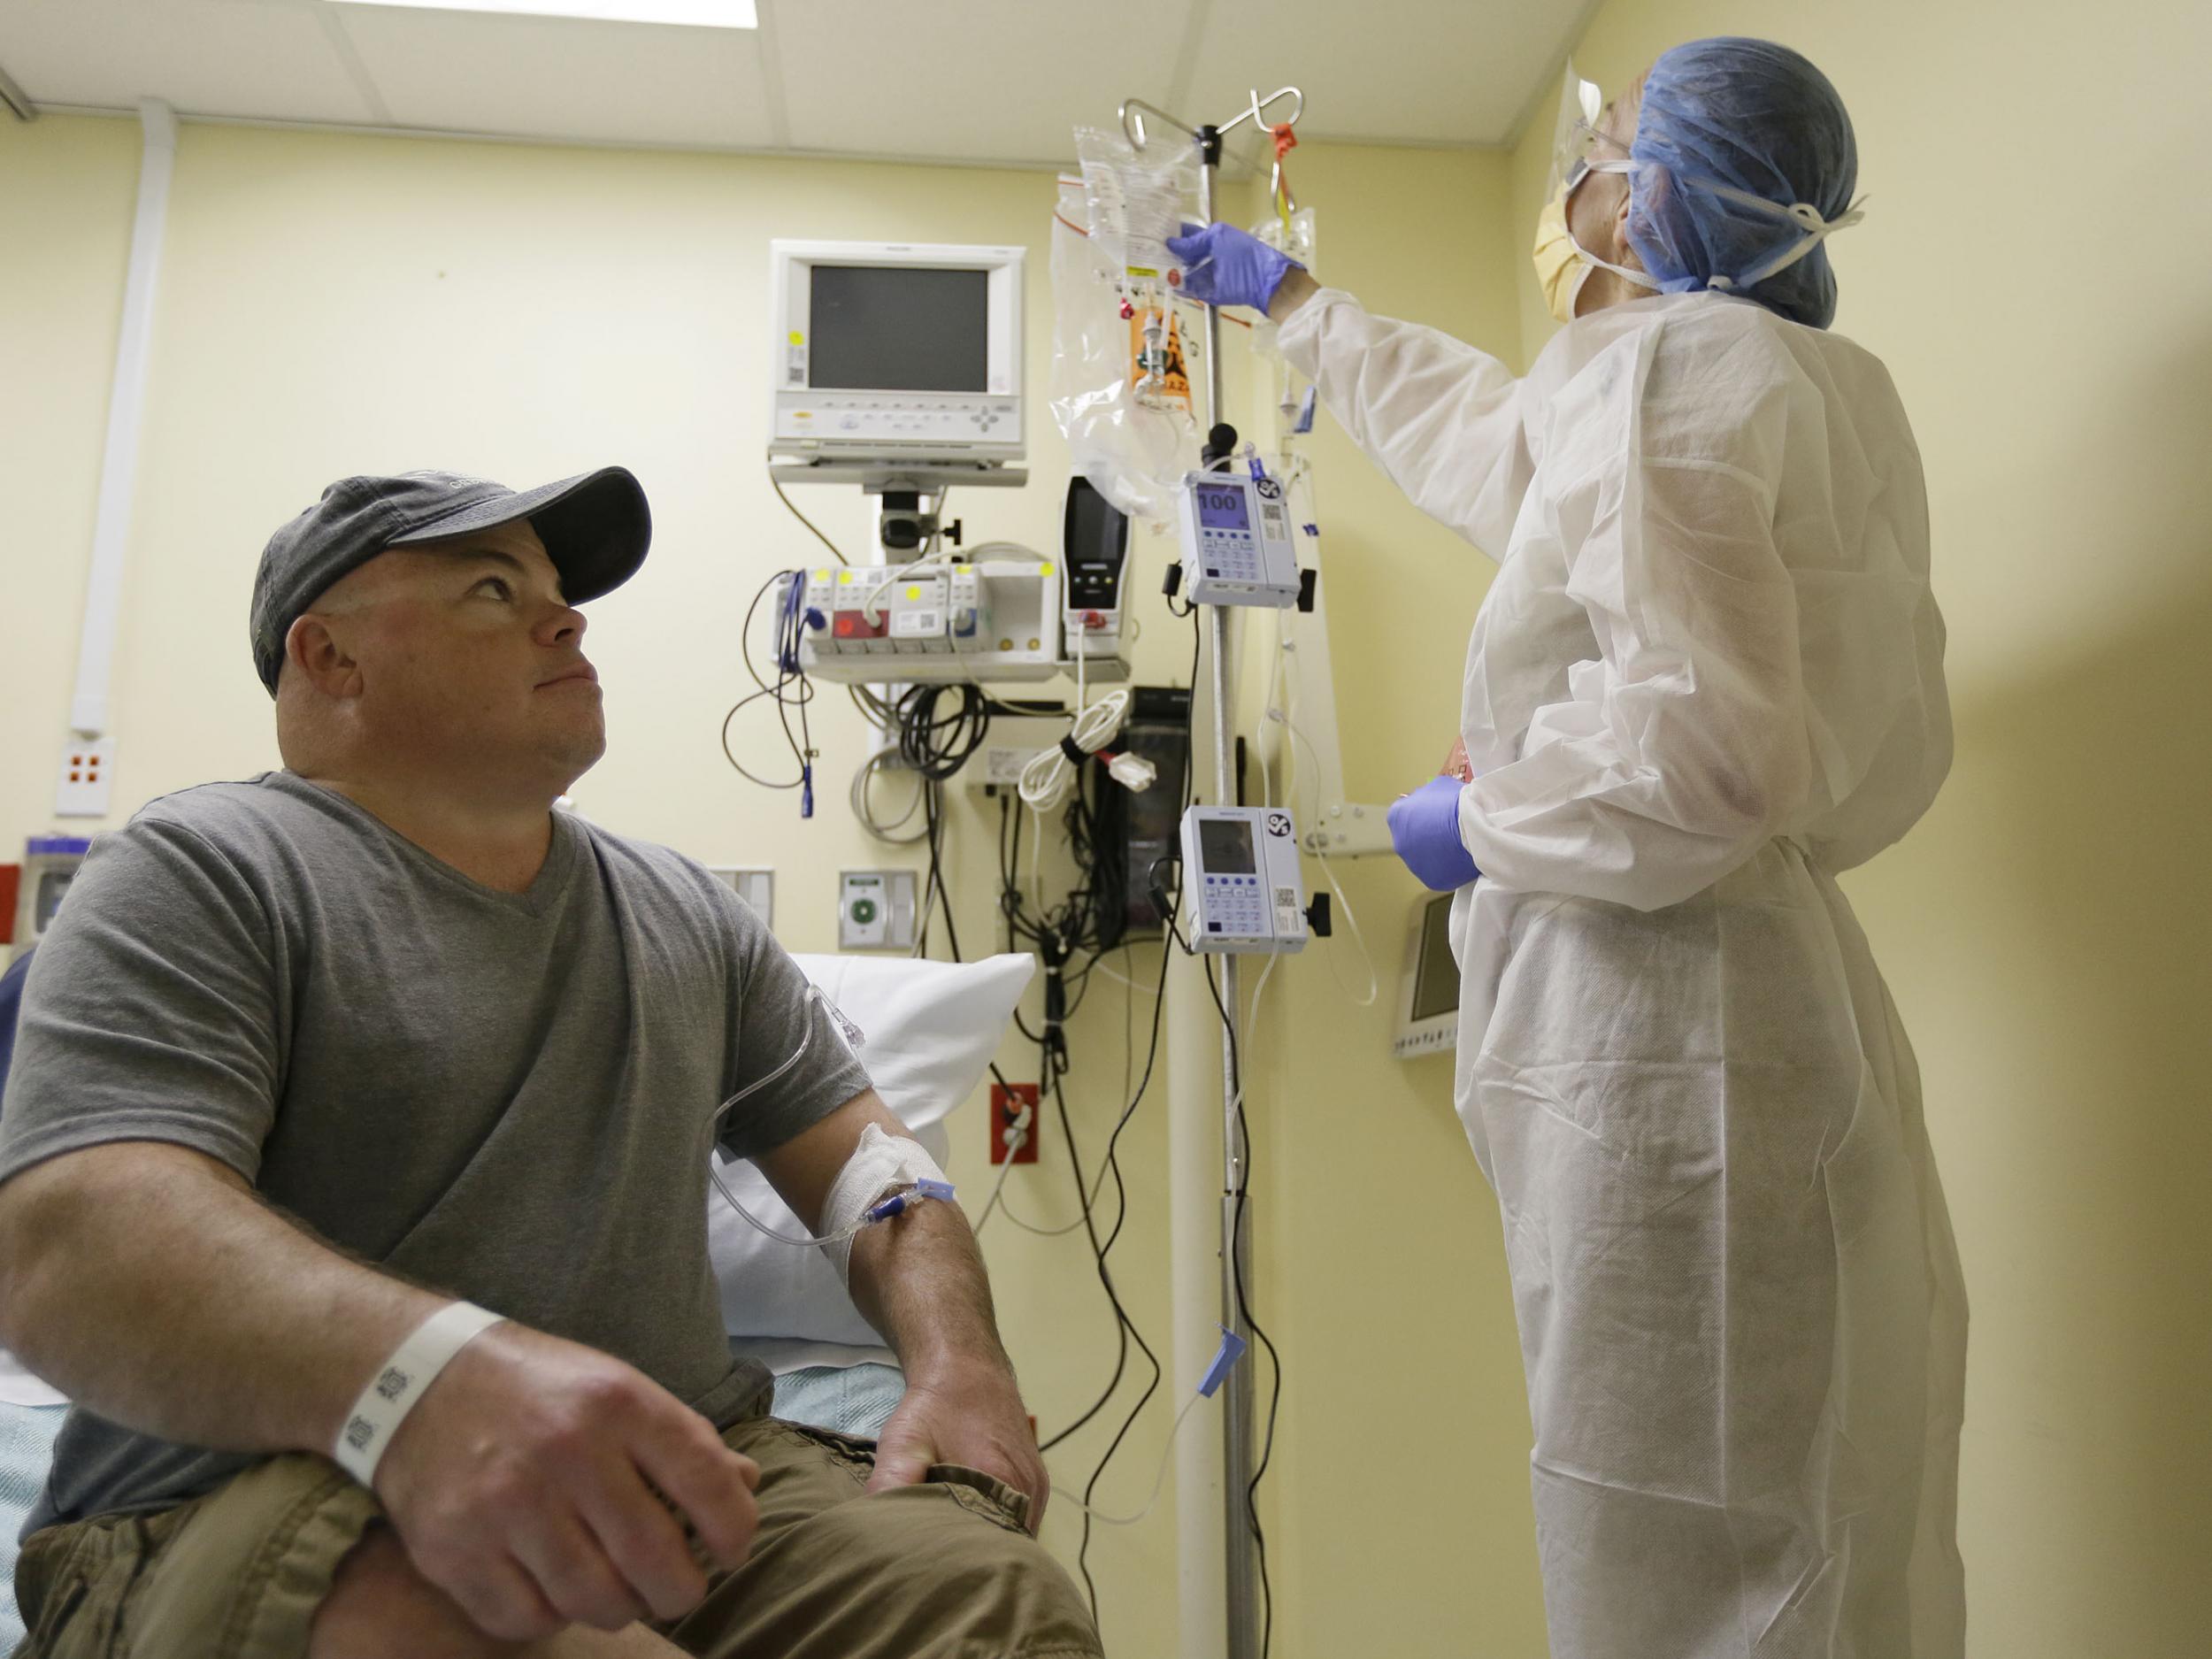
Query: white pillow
[{"x": 932, "y": 1028}]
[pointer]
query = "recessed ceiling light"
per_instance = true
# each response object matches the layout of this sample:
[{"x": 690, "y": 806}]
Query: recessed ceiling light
[{"x": 703, "y": 14}]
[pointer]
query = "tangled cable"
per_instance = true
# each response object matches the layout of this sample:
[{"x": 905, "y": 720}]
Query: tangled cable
[{"x": 1050, "y": 773}]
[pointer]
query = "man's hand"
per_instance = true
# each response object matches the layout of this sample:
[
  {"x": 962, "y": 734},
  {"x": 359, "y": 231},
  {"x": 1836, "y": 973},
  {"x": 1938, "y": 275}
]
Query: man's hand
[
  {"x": 970, "y": 1415},
  {"x": 534, "y": 1483}
]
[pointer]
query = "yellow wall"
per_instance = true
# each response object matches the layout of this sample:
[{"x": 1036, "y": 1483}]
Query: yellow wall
[
  {"x": 333, "y": 303},
  {"x": 336, "y": 304},
  {"x": 2033, "y": 270}
]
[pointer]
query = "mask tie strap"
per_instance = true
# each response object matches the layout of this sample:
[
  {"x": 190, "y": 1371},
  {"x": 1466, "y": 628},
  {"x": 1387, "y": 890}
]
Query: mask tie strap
[{"x": 1804, "y": 215}]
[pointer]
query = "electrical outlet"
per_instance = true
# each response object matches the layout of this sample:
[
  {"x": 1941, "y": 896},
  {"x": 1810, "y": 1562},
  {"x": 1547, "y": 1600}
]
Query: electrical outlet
[
  {"x": 755, "y": 884},
  {"x": 87, "y": 765},
  {"x": 1007, "y": 1102}
]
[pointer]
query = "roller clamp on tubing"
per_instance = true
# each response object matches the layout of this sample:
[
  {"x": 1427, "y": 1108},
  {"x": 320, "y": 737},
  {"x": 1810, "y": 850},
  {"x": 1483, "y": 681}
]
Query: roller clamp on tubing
[{"x": 399, "y": 1384}]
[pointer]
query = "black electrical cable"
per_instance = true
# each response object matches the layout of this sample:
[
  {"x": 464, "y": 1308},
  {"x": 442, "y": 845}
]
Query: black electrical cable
[
  {"x": 791, "y": 690},
  {"x": 937, "y": 745},
  {"x": 1151, "y": 1387},
  {"x": 1071, "y": 936}
]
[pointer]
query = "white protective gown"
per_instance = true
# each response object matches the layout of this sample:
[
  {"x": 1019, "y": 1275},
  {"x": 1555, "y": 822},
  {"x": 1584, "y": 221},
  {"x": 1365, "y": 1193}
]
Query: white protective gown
[{"x": 1709, "y": 675}]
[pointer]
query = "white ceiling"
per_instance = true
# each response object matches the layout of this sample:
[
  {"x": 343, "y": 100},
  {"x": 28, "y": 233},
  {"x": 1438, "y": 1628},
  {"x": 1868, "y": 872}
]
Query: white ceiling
[{"x": 994, "y": 82}]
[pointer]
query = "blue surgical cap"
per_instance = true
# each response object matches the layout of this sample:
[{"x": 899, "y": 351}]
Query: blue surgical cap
[{"x": 1751, "y": 116}]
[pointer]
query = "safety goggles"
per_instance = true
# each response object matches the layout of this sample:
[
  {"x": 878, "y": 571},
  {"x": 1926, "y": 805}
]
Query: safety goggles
[{"x": 1577, "y": 142}]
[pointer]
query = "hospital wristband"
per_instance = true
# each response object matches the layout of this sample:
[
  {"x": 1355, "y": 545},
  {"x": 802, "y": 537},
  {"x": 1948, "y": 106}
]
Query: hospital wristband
[{"x": 399, "y": 1384}]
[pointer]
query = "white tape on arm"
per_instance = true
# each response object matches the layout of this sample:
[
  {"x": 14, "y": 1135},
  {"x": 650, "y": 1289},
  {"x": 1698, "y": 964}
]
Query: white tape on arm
[
  {"x": 399, "y": 1383},
  {"x": 877, "y": 1165}
]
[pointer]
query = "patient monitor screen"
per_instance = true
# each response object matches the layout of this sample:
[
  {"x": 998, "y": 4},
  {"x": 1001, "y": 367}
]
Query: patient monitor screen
[
  {"x": 881, "y": 328},
  {"x": 1436, "y": 977},
  {"x": 1225, "y": 844}
]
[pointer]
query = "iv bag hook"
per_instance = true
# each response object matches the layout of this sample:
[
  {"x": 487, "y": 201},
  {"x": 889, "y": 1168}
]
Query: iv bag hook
[
  {"x": 1256, "y": 112},
  {"x": 1132, "y": 113}
]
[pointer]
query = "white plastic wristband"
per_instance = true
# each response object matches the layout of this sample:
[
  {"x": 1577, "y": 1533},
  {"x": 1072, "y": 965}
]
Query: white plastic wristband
[{"x": 399, "y": 1383}]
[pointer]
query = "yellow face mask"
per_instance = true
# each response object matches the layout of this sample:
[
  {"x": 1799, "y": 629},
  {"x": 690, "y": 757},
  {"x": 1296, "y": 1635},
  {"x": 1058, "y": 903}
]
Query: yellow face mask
[
  {"x": 1560, "y": 270},
  {"x": 1562, "y": 264}
]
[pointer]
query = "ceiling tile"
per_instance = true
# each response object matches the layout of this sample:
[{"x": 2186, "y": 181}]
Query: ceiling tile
[
  {"x": 1000, "y": 81},
  {"x": 1434, "y": 72},
  {"x": 562, "y": 78},
  {"x": 990, "y": 80},
  {"x": 264, "y": 61}
]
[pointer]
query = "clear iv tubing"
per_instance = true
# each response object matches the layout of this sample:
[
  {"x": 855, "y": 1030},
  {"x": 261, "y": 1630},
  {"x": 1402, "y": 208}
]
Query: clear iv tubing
[
  {"x": 881, "y": 1212},
  {"x": 1159, "y": 1478}
]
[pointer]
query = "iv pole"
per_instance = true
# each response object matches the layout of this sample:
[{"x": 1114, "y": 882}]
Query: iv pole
[{"x": 1241, "y": 1556}]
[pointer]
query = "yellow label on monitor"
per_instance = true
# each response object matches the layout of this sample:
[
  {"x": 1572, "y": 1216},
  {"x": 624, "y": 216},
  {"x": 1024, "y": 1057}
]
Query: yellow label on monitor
[
  {"x": 797, "y": 339},
  {"x": 913, "y": 590}
]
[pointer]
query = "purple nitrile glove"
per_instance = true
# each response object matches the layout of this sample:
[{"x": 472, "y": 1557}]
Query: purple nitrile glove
[
  {"x": 1223, "y": 265},
  {"x": 1424, "y": 829}
]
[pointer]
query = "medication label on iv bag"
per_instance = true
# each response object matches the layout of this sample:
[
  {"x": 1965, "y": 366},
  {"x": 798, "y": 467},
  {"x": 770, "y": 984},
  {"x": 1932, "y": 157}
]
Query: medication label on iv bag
[{"x": 1156, "y": 365}]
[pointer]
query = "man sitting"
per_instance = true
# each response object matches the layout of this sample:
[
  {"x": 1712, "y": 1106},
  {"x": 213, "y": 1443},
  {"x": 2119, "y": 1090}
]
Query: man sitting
[{"x": 311, "y": 1064}]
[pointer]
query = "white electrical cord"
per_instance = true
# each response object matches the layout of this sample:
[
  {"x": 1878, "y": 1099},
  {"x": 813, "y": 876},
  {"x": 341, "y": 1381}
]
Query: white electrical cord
[
  {"x": 1049, "y": 777},
  {"x": 1014, "y": 1137},
  {"x": 858, "y": 800}
]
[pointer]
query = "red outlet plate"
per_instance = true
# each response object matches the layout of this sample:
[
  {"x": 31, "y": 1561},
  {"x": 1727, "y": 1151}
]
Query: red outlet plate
[{"x": 1007, "y": 1102}]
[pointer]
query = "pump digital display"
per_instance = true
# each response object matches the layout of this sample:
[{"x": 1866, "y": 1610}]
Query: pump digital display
[
  {"x": 1222, "y": 509},
  {"x": 1225, "y": 844}
]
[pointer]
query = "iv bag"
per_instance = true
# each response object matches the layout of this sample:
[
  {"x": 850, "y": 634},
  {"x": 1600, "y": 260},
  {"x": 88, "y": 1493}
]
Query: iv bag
[
  {"x": 1133, "y": 202},
  {"x": 1114, "y": 399},
  {"x": 1292, "y": 235}
]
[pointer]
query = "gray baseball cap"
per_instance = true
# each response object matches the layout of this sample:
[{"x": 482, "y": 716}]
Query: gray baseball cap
[{"x": 595, "y": 528}]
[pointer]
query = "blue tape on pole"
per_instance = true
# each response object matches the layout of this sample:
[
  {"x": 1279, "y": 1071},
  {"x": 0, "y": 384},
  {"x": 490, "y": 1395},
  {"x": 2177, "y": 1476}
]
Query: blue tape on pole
[{"x": 1232, "y": 1350}]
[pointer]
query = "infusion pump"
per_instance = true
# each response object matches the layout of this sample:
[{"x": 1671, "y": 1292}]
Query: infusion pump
[
  {"x": 1236, "y": 541},
  {"x": 1242, "y": 880}
]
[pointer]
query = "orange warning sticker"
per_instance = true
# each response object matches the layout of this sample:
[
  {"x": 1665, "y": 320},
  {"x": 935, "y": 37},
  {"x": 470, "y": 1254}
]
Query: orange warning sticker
[{"x": 1155, "y": 356}]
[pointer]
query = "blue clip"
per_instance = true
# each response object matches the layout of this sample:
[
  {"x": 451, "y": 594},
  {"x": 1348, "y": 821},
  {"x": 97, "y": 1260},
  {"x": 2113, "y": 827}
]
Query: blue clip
[
  {"x": 939, "y": 1190},
  {"x": 1232, "y": 1350},
  {"x": 1259, "y": 471},
  {"x": 892, "y": 1206}
]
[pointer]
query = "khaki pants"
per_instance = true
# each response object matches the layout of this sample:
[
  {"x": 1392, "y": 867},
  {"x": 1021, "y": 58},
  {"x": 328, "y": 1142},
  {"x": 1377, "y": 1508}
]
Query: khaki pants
[{"x": 942, "y": 1571}]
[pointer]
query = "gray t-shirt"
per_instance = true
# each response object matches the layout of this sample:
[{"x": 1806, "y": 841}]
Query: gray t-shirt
[{"x": 502, "y": 1095}]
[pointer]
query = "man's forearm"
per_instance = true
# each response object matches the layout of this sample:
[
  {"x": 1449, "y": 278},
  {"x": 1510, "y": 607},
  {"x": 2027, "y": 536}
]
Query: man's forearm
[
  {"x": 149, "y": 1284},
  {"x": 920, "y": 1281}
]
